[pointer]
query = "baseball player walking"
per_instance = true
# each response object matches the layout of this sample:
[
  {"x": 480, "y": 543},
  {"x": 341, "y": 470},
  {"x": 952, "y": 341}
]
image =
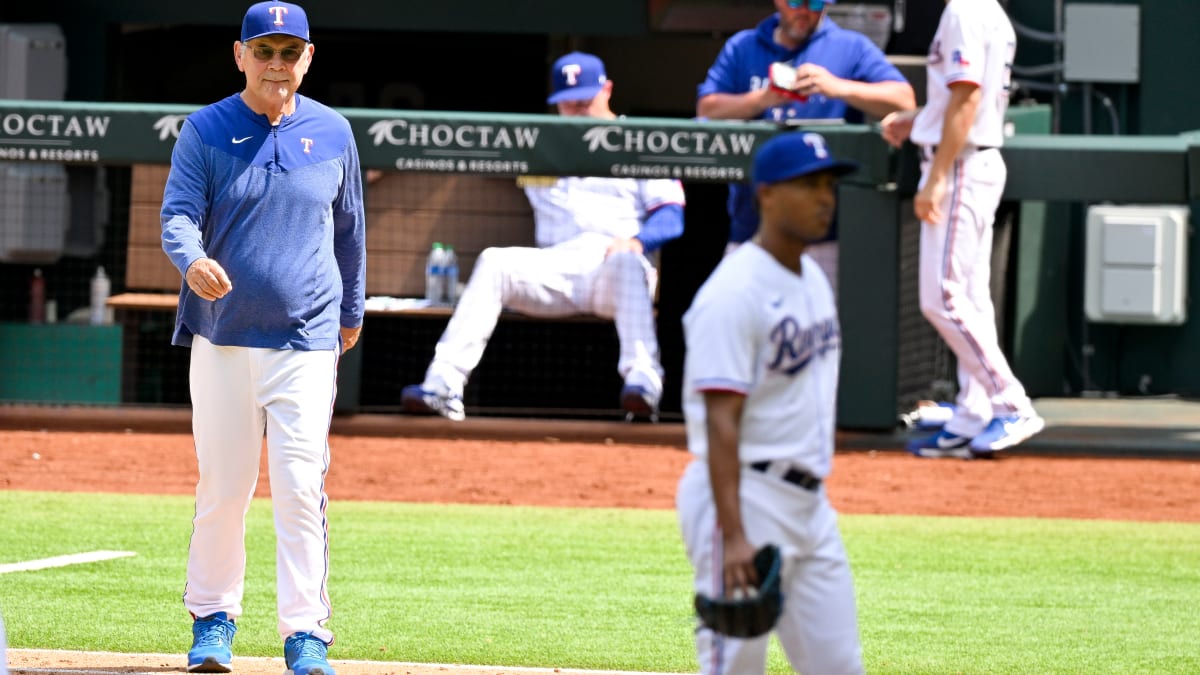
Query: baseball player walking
[
  {"x": 760, "y": 391},
  {"x": 839, "y": 75},
  {"x": 593, "y": 235},
  {"x": 263, "y": 216},
  {"x": 960, "y": 131}
]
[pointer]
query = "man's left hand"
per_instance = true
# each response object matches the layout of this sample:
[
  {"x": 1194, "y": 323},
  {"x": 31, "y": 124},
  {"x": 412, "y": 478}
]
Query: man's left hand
[
  {"x": 350, "y": 338},
  {"x": 812, "y": 79}
]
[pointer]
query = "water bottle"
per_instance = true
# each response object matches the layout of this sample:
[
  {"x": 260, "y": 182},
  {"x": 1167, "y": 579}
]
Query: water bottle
[
  {"x": 435, "y": 278},
  {"x": 37, "y": 297},
  {"x": 451, "y": 271},
  {"x": 98, "y": 314}
]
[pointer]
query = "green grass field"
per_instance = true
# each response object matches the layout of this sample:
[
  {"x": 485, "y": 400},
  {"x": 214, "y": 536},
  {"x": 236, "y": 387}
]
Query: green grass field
[{"x": 610, "y": 588}]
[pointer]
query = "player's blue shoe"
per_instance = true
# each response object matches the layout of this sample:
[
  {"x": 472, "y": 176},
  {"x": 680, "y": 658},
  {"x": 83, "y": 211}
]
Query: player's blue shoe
[
  {"x": 212, "y": 644},
  {"x": 306, "y": 655},
  {"x": 637, "y": 401},
  {"x": 1005, "y": 432},
  {"x": 416, "y": 399},
  {"x": 942, "y": 444}
]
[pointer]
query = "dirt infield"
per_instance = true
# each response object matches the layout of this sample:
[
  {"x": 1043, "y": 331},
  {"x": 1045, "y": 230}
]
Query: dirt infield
[{"x": 552, "y": 471}]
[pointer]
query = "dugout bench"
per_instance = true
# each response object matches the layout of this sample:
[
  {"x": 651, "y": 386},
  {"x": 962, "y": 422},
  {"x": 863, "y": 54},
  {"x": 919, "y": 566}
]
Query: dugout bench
[{"x": 565, "y": 366}]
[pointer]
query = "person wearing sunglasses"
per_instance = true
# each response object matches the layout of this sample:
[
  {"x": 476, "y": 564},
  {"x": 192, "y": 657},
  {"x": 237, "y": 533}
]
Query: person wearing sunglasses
[
  {"x": 263, "y": 216},
  {"x": 839, "y": 75}
]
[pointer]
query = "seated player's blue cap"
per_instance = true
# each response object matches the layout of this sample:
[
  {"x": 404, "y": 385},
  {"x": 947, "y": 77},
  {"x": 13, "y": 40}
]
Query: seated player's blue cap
[
  {"x": 275, "y": 18},
  {"x": 793, "y": 154},
  {"x": 577, "y": 77}
]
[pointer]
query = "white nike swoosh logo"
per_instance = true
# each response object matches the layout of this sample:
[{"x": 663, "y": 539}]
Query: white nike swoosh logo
[
  {"x": 948, "y": 443},
  {"x": 242, "y": 140}
]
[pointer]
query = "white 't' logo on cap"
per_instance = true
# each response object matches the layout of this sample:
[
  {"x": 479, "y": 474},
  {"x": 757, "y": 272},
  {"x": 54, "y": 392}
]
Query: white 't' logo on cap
[
  {"x": 817, "y": 143},
  {"x": 572, "y": 71},
  {"x": 278, "y": 12}
]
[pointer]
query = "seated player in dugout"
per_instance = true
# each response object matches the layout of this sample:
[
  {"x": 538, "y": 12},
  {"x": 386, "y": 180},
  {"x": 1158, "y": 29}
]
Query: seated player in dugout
[{"x": 593, "y": 237}]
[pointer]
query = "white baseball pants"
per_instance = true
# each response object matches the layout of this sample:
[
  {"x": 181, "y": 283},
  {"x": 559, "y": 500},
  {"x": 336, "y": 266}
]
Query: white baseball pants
[
  {"x": 819, "y": 626},
  {"x": 238, "y": 393},
  {"x": 573, "y": 277},
  {"x": 955, "y": 268}
]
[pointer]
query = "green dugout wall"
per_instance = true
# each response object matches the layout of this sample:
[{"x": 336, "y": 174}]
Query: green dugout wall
[{"x": 1047, "y": 176}]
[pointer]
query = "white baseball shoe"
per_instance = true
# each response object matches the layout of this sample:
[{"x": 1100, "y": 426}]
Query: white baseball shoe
[{"x": 1005, "y": 432}]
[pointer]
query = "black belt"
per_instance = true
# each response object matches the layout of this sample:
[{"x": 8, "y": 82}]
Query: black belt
[
  {"x": 978, "y": 148},
  {"x": 794, "y": 476}
]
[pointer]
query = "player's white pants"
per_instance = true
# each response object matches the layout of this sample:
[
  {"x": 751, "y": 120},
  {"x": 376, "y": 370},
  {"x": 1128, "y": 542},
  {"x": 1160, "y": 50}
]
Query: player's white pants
[
  {"x": 3, "y": 648},
  {"x": 237, "y": 394},
  {"x": 573, "y": 277},
  {"x": 955, "y": 270},
  {"x": 819, "y": 626}
]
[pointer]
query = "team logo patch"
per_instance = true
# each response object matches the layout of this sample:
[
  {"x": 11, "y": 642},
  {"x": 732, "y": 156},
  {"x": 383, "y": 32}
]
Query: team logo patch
[
  {"x": 957, "y": 57},
  {"x": 796, "y": 345},
  {"x": 308, "y": 143}
]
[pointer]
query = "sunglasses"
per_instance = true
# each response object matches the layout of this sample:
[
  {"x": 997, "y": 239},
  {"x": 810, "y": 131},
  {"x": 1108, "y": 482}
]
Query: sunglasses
[
  {"x": 812, "y": 5},
  {"x": 265, "y": 53}
]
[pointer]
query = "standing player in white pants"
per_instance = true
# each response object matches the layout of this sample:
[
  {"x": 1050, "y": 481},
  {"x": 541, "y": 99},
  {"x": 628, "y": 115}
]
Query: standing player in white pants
[
  {"x": 593, "y": 235},
  {"x": 760, "y": 391},
  {"x": 263, "y": 216},
  {"x": 960, "y": 131},
  {"x": 3, "y": 648}
]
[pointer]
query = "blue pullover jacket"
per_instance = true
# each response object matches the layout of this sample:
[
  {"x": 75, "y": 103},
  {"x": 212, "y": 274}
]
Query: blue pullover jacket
[{"x": 280, "y": 208}]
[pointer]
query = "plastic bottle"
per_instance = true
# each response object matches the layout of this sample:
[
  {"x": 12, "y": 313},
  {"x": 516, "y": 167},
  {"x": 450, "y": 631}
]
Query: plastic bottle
[
  {"x": 435, "y": 280},
  {"x": 37, "y": 297},
  {"x": 451, "y": 271},
  {"x": 100, "y": 288}
]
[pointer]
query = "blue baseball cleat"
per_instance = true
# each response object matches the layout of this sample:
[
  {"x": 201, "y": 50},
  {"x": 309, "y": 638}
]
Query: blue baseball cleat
[
  {"x": 212, "y": 644},
  {"x": 940, "y": 445},
  {"x": 306, "y": 655},
  {"x": 1005, "y": 432},
  {"x": 416, "y": 399},
  {"x": 637, "y": 401}
]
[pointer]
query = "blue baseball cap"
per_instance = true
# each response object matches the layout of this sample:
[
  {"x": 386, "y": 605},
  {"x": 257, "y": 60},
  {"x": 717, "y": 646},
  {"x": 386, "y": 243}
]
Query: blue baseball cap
[
  {"x": 577, "y": 77},
  {"x": 793, "y": 154},
  {"x": 275, "y": 18}
]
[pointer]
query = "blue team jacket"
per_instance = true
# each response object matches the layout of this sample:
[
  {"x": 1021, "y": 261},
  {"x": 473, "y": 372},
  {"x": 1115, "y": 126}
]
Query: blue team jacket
[{"x": 280, "y": 208}]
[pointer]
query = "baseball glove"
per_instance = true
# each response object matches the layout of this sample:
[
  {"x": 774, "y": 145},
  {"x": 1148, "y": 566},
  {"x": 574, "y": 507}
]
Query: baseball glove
[{"x": 750, "y": 616}]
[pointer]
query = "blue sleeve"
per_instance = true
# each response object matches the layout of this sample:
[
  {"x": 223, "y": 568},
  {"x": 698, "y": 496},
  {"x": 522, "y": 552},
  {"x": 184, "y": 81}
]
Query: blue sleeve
[
  {"x": 662, "y": 225},
  {"x": 722, "y": 75},
  {"x": 185, "y": 200},
  {"x": 872, "y": 65},
  {"x": 349, "y": 239}
]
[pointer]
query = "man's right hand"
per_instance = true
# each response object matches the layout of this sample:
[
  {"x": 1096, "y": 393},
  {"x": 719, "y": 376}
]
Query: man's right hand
[
  {"x": 207, "y": 279},
  {"x": 895, "y": 127},
  {"x": 738, "y": 567}
]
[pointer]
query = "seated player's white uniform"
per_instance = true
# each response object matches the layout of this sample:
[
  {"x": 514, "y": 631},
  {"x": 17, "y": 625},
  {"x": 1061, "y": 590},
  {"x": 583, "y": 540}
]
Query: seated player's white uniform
[{"x": 569, "y": 273}]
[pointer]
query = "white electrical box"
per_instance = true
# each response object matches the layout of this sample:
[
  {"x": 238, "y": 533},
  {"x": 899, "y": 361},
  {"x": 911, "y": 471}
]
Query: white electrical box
[
  {"x": 33, "y": 61},
  {"x": 1136, "y": 265},
  {"x": 1100, "y": 42},
  {"x": 34, "y": 212}
]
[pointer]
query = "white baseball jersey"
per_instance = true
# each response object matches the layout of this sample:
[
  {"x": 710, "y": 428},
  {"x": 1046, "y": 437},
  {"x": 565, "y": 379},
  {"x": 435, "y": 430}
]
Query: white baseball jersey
[
  {"x": 757, "y": 328},
  {"x": 974, "y": 43},
  {"x": 615, "y": 207}
]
